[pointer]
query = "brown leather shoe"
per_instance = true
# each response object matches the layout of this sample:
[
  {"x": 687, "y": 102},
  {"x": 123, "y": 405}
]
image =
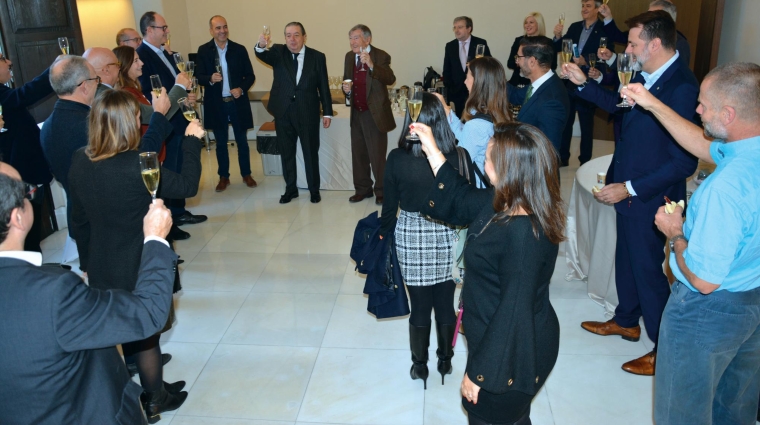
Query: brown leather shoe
[
  {"x": 644, "y": 365},
  {"x": 249, "y": 181},
  {"x": 223, "y": 183},
  {"x": 611, "y": 328},
  {"x": 359, "y": 197}
]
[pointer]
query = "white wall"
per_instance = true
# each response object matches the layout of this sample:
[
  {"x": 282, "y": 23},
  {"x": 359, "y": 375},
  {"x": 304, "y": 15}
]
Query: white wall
[
  {"x": 741, "y": 35},
  {"x": 100, "y": 20}
]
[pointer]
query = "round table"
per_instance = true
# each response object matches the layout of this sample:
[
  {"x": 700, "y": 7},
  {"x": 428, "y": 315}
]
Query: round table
[{"x": 591, "y": 236}]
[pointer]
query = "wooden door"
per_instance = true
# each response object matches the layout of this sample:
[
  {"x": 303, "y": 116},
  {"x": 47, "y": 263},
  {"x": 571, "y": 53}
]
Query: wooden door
[{"x": 30, "y": 31}]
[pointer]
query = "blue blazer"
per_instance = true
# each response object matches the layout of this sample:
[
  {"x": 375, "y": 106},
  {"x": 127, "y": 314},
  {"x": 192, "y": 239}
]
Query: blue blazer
[
  {"x": 546, "y": 109},
  {"x": 646, "y": 154},
  {"x": 574, "y": 32},
  {"x": 153, "y": 65}
]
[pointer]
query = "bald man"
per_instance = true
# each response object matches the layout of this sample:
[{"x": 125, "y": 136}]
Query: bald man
[{"x": 128, "y": 37}]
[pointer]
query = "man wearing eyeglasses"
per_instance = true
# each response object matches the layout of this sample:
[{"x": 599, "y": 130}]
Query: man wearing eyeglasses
[
  {"x": 20, "y": 145},
  {"x": 128, "y": 37},
  {"x": 157, "y": 61}
]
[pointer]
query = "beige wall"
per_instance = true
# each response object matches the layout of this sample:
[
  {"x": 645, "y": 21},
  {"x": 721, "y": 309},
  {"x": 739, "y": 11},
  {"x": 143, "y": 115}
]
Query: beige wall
[
  {"x": 741, "y": 34},
  {"x": 102, "y": 19}
]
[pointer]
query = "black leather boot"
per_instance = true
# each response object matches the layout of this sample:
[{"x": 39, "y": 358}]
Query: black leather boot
[
  {"x": 445, "y": 350},
  {"x": 175, "y": 387},
  {"x": 419, "y": 341},
  {"x": 161, "y": 401}
]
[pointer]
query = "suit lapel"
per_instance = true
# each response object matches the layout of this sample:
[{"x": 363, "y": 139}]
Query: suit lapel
[
  {"x": 287, "y": 56},
  {"x": 306, "y": 64}
]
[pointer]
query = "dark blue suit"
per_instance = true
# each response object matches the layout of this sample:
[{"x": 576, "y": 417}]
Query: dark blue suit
[
  {"x": 153, "y": 65},
  {"x": 648, "y": 157},
  {"x": 546, "y": 109},
  {"x": 584, "y": 109}
]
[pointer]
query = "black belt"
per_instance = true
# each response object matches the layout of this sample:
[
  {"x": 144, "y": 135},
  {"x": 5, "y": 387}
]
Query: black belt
[{"x": 228, "y": 99}]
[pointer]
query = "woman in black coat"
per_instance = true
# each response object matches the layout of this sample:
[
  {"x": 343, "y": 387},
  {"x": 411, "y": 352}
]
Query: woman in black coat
[
  {"x": 512, "y": 243},
  {"x": 533, "y": 25},
  {"x": 109, "y": 201}
]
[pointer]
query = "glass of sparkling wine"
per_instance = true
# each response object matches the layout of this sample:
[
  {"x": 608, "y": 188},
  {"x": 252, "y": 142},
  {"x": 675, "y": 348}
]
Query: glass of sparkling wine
[
  {"x": 602, "y": 42},
  {"x": 592, "y": 60},
  {"x": 363, "y": 68},
  {"x": 480, "y": 51},
  {"x": 414, "y": 106},
  {"x": 562, "y": 18},
  {"x": 150, "y": 171},
  {"x": 194, "y": 86},
  {"x": 625, "y": 73},
  {"x": 188, "y": 111},
  {"x": 63, "y": 43},
  {"x": 218, "y": 66},
  {"x": 190, "y": 69},
  {"x": 155, "y": 84},
  {"x": 179, "y": 61},
  {"x": 567, "y": 53},
  {"x": 168, "y": 44},
  {"x": 2, "y": 130}
]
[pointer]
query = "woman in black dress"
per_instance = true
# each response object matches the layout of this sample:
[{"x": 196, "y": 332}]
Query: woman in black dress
[
  {"x": 109, "y": 201},
  {"x": 423, "y": 244},
  {"x": 533, "y": 26},
  {"x": 512, "y": 243}
]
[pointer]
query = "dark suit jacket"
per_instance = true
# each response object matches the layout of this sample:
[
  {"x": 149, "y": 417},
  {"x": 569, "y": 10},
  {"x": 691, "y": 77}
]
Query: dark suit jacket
[
  {"x": 378, "y": 79},
  {"x": 574, "y": 33},
  {"x": 453, "y": 74},
  {"x": 58, "y": 358},
  {"x": 174, "y": 92},
  {"x": 311, "y": 91},
  {"x": 153, "y": 65},
  {"x": 240, "y": 74},
  {"x": 646, "y": 154},
  {"x": 20, "y": 145},
  {"x": 546, "y": 109},
  {"x": 621, "y": 37},
  {"x": 109, "y": 201}
]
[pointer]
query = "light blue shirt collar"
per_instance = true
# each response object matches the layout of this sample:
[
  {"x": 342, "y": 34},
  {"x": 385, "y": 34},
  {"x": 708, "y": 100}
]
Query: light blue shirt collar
[{"x": 650, "y": 79}]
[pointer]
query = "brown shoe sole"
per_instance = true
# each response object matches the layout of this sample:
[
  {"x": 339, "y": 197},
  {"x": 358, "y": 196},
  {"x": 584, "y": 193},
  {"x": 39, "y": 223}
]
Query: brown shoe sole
[{"x": 625, "y": 337}]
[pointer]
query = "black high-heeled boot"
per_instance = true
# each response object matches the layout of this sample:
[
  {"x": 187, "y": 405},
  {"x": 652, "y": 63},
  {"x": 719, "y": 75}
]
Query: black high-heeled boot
[
  {"x": 419, "y": 341},
  {"x": 160, "y": 401},
  {"x": 445, "y": 350},
  {"x": 174, "y": 387}
]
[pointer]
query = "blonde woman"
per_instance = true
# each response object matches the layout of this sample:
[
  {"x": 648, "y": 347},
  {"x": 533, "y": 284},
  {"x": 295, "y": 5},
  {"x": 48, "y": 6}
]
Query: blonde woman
[{"x": 533, "y": 26}]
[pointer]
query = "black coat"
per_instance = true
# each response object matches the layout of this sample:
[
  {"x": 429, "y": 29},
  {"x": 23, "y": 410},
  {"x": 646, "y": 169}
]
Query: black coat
[
  {"x": 58, "y": 360},
  {"x": 240, "y": 74},
  {"x": 109, "y": 201},
  {"x": 20, "y": 145}
]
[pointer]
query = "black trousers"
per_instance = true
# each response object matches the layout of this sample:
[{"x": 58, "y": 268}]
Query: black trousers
[
  {"x": 474, "y": 420},
  {"x": 368, "y": 148},
  {"x": 585, "y": 112},
  {"x": 289, "y": 128}
]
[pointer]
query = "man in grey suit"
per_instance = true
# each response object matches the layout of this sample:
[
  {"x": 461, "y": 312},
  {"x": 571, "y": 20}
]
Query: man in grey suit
[
  {"x": 299, "y": 87},
  {"x": 58, "y": 359}
]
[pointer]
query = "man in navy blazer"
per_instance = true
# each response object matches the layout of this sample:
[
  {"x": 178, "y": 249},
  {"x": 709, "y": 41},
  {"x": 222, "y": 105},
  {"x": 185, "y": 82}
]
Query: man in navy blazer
[
  {"x": 586, "y": 35},
  {"x": 157, "y": 61},
  {"x": 544, "y": 101},
  {"x": 299, "y": 87},
  {"x": 58, "y": 359},
  {"x": 647, "y": 166},
  {"x": 455, "y": 61},
  {"x": 226, "y": 97}
]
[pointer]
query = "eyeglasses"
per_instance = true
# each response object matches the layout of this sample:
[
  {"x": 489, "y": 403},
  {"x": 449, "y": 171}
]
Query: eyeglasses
[
  {"x": 518, "y": 57},
  {"x": 136, "y": 40},
  {"x": 163, "y": 28},
  {"x": 90, "y": 79}
]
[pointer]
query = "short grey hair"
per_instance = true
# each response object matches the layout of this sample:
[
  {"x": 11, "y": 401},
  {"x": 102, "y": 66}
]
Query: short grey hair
[
  {"x": 667, "y": 6},
  {"x": 366, "y": 32},
  {"x": 597, "y": 3},
  {"x": 737, "y": 84},
  {"x": 67, "y": 73}
]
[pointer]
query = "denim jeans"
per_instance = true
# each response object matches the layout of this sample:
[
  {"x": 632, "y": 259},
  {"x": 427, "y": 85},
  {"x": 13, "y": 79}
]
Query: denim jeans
[
  {"x": 708, "y": 360},
  {"x": 241, "y": 138}
]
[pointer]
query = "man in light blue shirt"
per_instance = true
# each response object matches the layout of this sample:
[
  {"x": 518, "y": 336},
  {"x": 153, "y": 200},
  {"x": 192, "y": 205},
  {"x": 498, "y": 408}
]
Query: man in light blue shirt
[{"x": 708, "y": 368}]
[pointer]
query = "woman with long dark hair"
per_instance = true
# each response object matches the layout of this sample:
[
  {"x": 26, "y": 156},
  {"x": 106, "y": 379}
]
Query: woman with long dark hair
[
  {"x": 423, "y": 245},
  {"x": 514, "y": 233}
]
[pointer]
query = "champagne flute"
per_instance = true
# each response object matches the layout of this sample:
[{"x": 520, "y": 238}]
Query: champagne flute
[
  {"x": 625, "y": 73},
  {"x": 567, "y": 53},
  {"x": 218, "y": 66},
  {"x": 562, "y": 18},
  {"x": 155, "y": 84},
  {"x": 179, "y": 61},
  {"x": 602, "y": 42},
  {"x": 190, "y": 69},
  {"x": 2, "y": 130},
  {"x": 151, "y": 172},
  {"x": 480, "y": 51},
  {"x": 194, "y": 86},
  {"x": 592, "y": 60},
  {"x": 188, "y": 111},
  {"x": 414, "y": 106},
  {"x": 168, "y": 44},
  {"x": 63, "y": 43},
  {"x": 362, "y": 50},
  {"x": 267, "y": 32}
]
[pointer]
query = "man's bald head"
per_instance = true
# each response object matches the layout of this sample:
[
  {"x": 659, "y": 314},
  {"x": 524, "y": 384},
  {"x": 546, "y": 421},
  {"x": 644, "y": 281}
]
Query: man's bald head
[{"x": 105, "y": 63}]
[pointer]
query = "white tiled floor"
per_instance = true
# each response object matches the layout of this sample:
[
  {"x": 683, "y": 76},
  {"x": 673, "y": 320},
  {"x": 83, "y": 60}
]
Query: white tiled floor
[{"x": 273, "y": 329}]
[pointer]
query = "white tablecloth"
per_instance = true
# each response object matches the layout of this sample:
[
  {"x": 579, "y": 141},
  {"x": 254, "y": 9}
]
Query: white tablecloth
[
  {"x": 335, "y": 169},
  {"x": 591, "y": 237}
]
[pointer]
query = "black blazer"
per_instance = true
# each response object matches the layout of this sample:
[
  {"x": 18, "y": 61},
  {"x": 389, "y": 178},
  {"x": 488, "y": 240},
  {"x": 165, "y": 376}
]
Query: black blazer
[
  {"x": 20, "y": 145},
  {"x": 109, "y": 201},
  {"x": 240, "y": 73},
  {"x": 453, "y": 74},
  {"x": 64, "y": 132},
  {"x": 516, "y": 79},
  {"x": 58, "y": 358},
  {"x": 546, "y": 109},
  {"x": 574, "y": 32},
  {"x": 153, "y": 65},
  {"x": 312, "y": 89}
]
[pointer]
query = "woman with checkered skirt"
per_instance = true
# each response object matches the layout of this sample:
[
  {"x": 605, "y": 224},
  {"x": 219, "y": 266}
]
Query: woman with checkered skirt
[{"x": 424, "y": 246}]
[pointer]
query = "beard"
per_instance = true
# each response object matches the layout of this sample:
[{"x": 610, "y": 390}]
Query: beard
[
  {"x": 641, "y": 60},
  {"x": 714, "y": 131}
]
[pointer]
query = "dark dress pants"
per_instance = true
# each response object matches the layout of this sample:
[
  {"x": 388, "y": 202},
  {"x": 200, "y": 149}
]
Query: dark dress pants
[
  {"x": 642, "y": 287},
  {"x": 368, "y": 148},
  {"x": 585, "y": 112},
  {"x": 289, "y": 129},
  {"x": 173, "y": 162},
  {"x": 241, "y": 138}
]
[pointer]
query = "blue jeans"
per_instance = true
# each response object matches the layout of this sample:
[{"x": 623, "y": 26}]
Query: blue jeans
[
  {"x": 708, "y": 359},
  {"x": 241, "y": 138}
]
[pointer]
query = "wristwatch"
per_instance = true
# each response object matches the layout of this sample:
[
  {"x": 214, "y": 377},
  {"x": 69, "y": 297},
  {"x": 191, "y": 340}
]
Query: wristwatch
[{"x": 673, "y": 241}]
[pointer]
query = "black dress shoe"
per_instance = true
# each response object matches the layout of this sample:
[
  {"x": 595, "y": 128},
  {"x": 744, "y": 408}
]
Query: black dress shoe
[
  {"x": 315, "y": 198},
  {"x": 177, "y": 234},
  {"x": 187, "y": 218},
  {"x": 379, "y": 200},
  {"x": 165, "y": 358},
  {"x": 284, "y": 199}
]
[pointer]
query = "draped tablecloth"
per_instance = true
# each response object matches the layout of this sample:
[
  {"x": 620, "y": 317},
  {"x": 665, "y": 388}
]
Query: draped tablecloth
[
  {"x": 591, "y": 237},
  {"x": 335, "y": 166}
]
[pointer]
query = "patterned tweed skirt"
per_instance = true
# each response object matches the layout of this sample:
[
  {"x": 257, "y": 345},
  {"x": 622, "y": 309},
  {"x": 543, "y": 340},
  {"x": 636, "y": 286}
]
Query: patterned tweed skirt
[{"x": 424, "y": 247}]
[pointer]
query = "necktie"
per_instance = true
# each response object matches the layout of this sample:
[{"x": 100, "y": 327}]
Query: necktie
[
  {"x": 529, "y": 94},
  {"x": 295, "y": 62},
  {"x": 463, "y": 55}
]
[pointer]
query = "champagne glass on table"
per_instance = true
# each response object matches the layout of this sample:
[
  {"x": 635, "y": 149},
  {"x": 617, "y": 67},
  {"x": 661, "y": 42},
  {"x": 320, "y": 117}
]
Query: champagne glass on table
[
  {"x": 63, "y": 43},
  {"x": 155, "y": 85},
  {"x": 414, "y": 106},
  {"x": 625, "y": 74},
  {"x": 150, "y": 171},
  {"x": 179, "y": 61},
  {"x": 190, "y": 69},
  {"x": 2, "y": 130},
  {"x": 567, "y": 53}
]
